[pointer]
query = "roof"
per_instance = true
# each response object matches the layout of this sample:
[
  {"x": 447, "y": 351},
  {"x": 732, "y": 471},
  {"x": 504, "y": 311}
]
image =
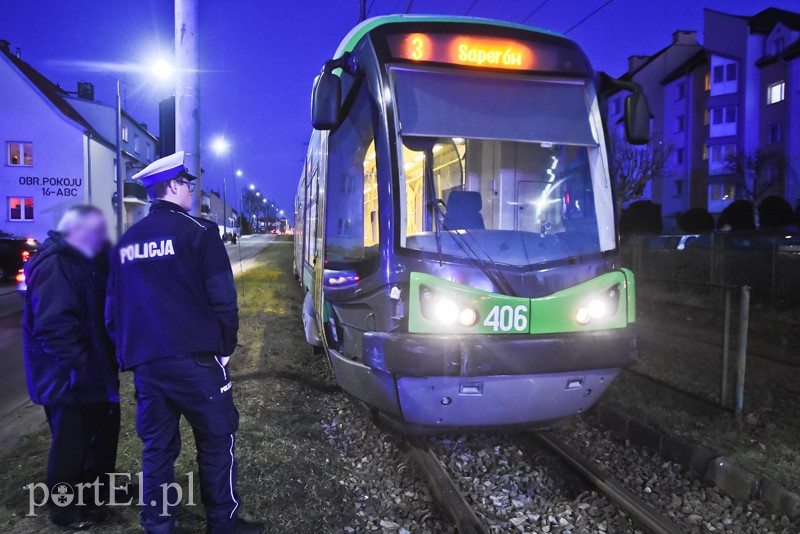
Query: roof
[
  {"x": 58, "y": 97},
  {"x": 49, "y": 90},
  {"x": 686, "y": 67},
  {"x": 356, "y": 34},
  {"x": 628, "y": 76},
  {"x": 766, "y": 20},
  {"x": 792, "y": 51}
]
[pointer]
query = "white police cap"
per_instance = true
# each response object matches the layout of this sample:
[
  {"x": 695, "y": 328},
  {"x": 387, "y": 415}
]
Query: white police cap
[{"x": 167, "y": 168}]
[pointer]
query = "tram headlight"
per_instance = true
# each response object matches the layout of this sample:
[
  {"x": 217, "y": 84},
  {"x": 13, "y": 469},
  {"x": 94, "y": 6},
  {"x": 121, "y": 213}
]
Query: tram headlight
[
  {"x": 599, "y": 308},
  {"x": 446, "y": 311}
]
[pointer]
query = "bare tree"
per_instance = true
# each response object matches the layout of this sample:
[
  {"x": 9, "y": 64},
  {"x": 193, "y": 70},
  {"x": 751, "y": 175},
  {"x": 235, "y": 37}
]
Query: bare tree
[
  {"x": 760, "y": 173},
  {"x": 632, "y": 167}
]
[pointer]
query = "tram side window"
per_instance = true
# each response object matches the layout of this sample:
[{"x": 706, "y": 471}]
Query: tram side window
[{"x": 351, "y": 226}]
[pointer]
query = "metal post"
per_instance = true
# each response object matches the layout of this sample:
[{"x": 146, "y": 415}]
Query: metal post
[
  {"x": 187, "y": 91},
  {"x": 741, "y": 355},
  {"x": 120, "y": 169},
  {"x": 224, "y": 206},
  {"x": 726, "y": 342}
]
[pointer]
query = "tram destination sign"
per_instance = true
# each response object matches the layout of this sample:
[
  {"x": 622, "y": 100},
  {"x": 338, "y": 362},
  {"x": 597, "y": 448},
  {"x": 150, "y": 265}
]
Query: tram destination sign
[{"x": 486, "y": 52}]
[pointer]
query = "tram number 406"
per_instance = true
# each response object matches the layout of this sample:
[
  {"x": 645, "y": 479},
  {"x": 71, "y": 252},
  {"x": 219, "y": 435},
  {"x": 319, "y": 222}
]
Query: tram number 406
[{"x": 507, "y": 319}]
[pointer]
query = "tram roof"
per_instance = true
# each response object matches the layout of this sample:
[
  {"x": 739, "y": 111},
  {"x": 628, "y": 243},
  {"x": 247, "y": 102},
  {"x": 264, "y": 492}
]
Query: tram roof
[{"x": 357, "y": 33}]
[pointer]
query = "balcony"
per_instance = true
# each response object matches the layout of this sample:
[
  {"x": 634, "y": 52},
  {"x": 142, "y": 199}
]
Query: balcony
[{"x": 135, "y": 193}]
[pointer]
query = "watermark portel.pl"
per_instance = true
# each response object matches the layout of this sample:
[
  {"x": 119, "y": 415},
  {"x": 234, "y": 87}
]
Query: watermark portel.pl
[{"x": 63, "y": 494}]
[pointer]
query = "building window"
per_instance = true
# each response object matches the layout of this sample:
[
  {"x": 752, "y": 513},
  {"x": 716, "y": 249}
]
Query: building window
[
  {"x": 19, "y": 154},
  {"x": 20, "y": 209},
  {"x": 720, "y": 158},
  {"x": 721, "y": 191},
  {"x": 616, "y": 106},
  {"x": 680, "y": 123},
  {"x": 681, "y": 91},
  {"x": 678, "y": 188},
  {"x": 775, "y": 133},
  {"x": 776, "y": 92},
  {"x": 777, "y": 46},
  {"x": 149, "y": 152},
  {"x": 136, "y": 143},
  {"x": 679, "y": 155},
  {"x": 723, "y": 121},
  {"x": 707, "y": 82},
  {"x": 724, "y": 75},
  {"x": 705, "y": 152},
  {"x": 706, "y": 117},
  {"x": 125, "y": 132}
]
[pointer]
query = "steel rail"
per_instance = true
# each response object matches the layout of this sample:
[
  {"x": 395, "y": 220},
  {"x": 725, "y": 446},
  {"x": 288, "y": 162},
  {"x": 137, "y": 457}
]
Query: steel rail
[
  {"x": 451, "y": 500},
  {"x": 619, "y": 495}
]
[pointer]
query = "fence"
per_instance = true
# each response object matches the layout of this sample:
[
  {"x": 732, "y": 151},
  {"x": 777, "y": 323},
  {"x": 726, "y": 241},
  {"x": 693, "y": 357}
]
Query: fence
[
  {"x": 698, "y": 331},
  {"x": 769, "y": 264}
]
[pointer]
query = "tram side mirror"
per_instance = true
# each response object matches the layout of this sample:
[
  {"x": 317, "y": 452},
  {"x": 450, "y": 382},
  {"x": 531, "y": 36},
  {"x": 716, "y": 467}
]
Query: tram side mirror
[
  {"x": 637, "y": 119},
  {"x": 326, "y": 99}
]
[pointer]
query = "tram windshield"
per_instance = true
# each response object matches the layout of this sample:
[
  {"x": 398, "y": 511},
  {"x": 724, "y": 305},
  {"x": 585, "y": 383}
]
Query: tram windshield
[{"x": 503, "y": 169}]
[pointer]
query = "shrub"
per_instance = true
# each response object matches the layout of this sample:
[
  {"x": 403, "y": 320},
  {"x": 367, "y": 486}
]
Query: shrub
[
  {"x": 696, "y": 221},
  {"x": 641, "y": 217},
  {"x": 739, "y": 216}
]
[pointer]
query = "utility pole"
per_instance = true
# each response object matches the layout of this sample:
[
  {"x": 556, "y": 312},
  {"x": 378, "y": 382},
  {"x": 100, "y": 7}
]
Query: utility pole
[
  {"x": 187, "y": 90},
  {"x": 225, "y": 205},
  {"x": 120, "y": 169},
  {"x": 363, "y": 14}
]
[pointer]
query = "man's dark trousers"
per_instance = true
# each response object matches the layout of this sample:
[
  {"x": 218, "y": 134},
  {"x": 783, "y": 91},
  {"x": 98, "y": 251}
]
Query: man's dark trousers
[
  {"x": 83, "y": 449},
  {"x": 198, "y": 387}
]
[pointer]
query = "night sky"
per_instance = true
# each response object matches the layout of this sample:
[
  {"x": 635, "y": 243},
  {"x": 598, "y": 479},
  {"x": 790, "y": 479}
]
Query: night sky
[{"x": 260, "y": 56}]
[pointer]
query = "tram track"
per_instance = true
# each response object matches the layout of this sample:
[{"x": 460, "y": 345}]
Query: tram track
[{"x": 457, "y": 506}]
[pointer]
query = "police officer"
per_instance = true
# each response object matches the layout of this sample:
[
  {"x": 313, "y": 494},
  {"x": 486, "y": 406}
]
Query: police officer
[{"x": 172, "y": 310}]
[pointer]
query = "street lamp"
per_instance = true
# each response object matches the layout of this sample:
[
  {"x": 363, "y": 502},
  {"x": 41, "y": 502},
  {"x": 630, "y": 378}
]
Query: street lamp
[
  {"x": 161, "y": 69},
  {"x": 239, "y": 173}
]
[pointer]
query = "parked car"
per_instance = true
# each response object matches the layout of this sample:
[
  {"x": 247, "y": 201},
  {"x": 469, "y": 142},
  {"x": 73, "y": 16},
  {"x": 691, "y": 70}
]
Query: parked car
[{"x": 14, "y": 252}]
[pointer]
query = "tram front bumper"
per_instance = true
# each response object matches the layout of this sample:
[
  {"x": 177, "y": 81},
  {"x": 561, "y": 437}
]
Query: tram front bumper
[{"x": 448, "y": 355}]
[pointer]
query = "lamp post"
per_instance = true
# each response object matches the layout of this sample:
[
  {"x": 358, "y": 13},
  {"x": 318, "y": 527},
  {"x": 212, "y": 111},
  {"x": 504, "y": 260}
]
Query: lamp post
[
  {"x": 220, "y": 146},
  {"x": 161, "y": 70}
]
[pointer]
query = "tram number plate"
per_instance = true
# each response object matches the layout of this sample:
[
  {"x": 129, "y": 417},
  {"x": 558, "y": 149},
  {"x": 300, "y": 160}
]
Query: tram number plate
[{"x": 507, "y": 319}]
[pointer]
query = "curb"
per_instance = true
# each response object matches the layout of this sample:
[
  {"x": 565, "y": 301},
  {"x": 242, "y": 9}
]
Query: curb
[{"x": 711, "y": 467}]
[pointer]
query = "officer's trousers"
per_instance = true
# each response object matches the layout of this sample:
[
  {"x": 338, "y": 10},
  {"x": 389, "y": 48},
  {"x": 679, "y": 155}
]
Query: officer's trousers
[
  {"x": 199, "y": 388},
  {"x": 83, "y": 450}
]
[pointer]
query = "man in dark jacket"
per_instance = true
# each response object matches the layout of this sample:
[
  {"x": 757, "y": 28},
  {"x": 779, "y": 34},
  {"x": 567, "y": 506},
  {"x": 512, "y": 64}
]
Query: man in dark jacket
[
  {"x": 172, "y": 310},
  {"x": 69, "y": 358}
]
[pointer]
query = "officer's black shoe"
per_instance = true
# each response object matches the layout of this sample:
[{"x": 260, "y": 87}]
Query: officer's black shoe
[
  {"x": 250, "y": 527},
  {"x": 77, "y": 525}
]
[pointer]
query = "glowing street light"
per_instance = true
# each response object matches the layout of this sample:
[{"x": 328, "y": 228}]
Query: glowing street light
[
  {"x": 221, "y": 146},
  {"x": 239, "y": 172},
  {"x": 162, "y": 70},
  {"x": 252, "y": 187}
]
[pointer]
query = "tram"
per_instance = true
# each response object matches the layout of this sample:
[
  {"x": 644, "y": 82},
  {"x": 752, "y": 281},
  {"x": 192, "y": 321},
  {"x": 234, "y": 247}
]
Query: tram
[{"x": 455, "y": 224}]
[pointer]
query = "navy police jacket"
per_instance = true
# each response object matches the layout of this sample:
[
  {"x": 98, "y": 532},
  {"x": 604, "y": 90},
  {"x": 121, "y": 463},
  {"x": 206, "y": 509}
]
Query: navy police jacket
[
  {"x": 171, "y": 290},
  {"x": 69, "y": 359}
]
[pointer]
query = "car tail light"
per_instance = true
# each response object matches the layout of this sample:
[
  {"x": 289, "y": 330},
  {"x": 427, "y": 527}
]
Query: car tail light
[
  {"x": 26, "y": 254},
  {"x": 20, "y": 277}
]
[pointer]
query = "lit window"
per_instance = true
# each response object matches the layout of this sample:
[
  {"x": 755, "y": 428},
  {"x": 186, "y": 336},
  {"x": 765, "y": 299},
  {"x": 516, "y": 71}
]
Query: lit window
[
  {"x": 707, "y": 82},
  {"x": 20, "y": 209},
  {"x": 125, "y": 132},
  {"x": 19, "y": 154},
  {"x": 705, "y": 152},
  {"x": 775, "y": 133},
  {"x": 776, "y": 92},
  {"x": 706, "y": 117},
  {"x": 721, "y": 191}
]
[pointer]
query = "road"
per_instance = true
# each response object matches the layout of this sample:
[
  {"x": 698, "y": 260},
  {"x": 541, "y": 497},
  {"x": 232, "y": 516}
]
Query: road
[
  {"x": 246, "y": 249},
  {"x": 13, "y": 388}
]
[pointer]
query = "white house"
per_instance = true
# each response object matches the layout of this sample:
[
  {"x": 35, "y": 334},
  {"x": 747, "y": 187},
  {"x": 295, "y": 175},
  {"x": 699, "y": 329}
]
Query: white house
[{"x": 59, "y": 150}]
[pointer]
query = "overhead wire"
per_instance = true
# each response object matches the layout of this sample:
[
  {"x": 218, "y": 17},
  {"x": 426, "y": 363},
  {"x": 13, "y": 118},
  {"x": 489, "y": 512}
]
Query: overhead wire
[
  {"x": 587, "y": 17},
  {"x": 472, "y": 5},
  {"x": 409, "y": 6},
  {"x": 532, "y": 13}
]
